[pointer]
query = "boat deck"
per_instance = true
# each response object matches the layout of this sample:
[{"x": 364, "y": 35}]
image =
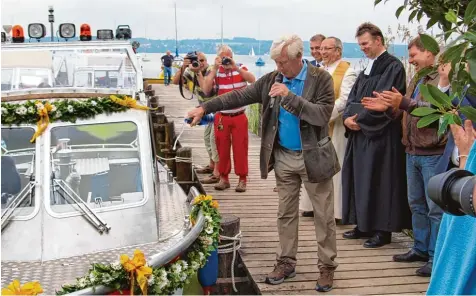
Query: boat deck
[{"x": 360, "y": 271}]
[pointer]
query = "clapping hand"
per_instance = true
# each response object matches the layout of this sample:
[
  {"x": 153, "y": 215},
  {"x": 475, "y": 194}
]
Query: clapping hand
[
  {"x": 375, "y": 104},
  {"x": 351, "y": 123}
]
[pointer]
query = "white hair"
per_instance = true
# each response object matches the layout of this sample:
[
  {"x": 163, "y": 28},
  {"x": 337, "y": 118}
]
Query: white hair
[
  {"x": 224, "y": 48},
  {"x": 294, "y": 45}
]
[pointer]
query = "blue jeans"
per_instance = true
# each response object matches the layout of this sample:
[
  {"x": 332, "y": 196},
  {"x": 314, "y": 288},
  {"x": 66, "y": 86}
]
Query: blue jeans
[
  {"x": 426, "y": 215},
  {"x": 167, "y": 75}
]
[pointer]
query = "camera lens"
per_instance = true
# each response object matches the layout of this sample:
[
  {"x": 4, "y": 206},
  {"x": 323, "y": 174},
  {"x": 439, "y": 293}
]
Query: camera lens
[
  {"x": 226, "y": 61},
  {"x": 449, "y": 190},
  {"x": 195, "y": 64}
]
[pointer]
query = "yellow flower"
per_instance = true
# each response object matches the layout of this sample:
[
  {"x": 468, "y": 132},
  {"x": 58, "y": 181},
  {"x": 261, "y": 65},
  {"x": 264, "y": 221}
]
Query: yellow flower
[
  {"x": 208, "y": 197},
  {"x": 137, "y": 267},
  {"x": 30, "y": 288},
  {"x": 197, "y": 199},
  {"x": 214, "y": 204}
]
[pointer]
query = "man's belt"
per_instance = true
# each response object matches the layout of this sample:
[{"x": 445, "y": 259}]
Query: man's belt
[{"x": 233, "y": 114}]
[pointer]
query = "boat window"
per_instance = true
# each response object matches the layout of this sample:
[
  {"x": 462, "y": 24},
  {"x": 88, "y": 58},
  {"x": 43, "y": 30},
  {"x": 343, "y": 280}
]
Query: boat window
[
  {"x": 18, "y": 168},
  {"x": 7, "y": 79},
  {"x": 68, "y": 67},
  {"x": 96, "y": 164},
  {"x": 34, "y": 78}
]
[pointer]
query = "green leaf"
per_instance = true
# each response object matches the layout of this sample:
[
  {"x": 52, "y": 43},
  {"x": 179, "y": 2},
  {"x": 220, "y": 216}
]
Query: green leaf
[
  {"x": 427, "y": 120},
  {"x": 451, "y": 16},
  {"x": 470, "y": 36},
  {"x": 377, "y": 2},
  {"x": 412, "y": 15},
  {"x": 470, "y": 12},
  {"x": 430, "y": 43},
  {"x": 471, "y": 59},
  {"x": 439, "y": 96},
  {"x": 428, "y": 97},
  {"x": 454, "y": 52},
  {"x": 433, "y": 20},
  {"x": 455, "y": 119},
  {"x": 469, "y": 112},
  {"x": 399, "y": 11},
  {"x": 423, "y": 111},
  {"x": 419, "y": 15},
  {"x": 444, "y": 124}
]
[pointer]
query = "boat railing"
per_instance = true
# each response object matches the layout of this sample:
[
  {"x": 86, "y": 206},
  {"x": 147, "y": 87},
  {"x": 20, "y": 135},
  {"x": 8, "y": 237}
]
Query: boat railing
[
  {"x": 161, "y": 259},
  {"x": 16, "y": 202}
]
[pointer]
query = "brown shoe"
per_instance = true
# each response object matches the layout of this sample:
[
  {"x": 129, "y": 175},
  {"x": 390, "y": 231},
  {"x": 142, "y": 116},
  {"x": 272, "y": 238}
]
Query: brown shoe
[
  {"x": 325, "y": 280},
  {"x": 212, "y": 179},
  {"x": 282, "y": 270},
  {"x": 222, "y": 185},
  {"x": 205, "y": 170},
  {"x": 241, "y": 187}
]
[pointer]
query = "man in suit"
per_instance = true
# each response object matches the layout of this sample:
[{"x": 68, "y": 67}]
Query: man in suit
[{"x": 315, "y": 46}]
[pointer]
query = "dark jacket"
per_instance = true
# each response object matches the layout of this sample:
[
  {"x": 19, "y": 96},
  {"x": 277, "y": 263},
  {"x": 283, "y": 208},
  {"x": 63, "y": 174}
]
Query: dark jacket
[
  {"x": 314, "y": 109},
  {"x": 420, "y": 141}
]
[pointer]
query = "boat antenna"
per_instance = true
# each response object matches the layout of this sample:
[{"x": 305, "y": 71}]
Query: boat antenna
[{"x": 176, "y": 36}]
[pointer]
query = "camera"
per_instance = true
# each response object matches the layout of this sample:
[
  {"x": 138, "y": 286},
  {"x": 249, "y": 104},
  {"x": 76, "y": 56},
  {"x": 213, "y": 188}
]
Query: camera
[
  {"x": 193, "y": 57},
  {"x": 225, "y": 61},
  {"x": 452, "y": 191}
]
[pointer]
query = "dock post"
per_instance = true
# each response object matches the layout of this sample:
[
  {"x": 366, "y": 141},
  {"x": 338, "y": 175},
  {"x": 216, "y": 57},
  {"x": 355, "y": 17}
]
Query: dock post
[
  {"x": 184, "y": 168},
  {"x": 167, "y": 146}
]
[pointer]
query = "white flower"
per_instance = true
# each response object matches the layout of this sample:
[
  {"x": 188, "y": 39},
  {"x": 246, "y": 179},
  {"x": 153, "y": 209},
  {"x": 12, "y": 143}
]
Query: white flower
[
  {"x": 70, "y": 109},
  {"x": 53, "y": 108},
  {"x": 163, "y": 274},
  {"x": 183, "y": 277},
  {"x": 21, "y": 110},
  {"x": 208, "y": 218},
  {"x": 94, "y": 103},
  {"x": 163, "y": 283},
  {"x": 116, "y": 265},
  {"x": 31, "y": 110},
  {"x": 184, "y": 265},
  {"x": 107, "y": 278},
  {"x": 207, "y": 240},
  {"x": 58, "y": 114},
  {"x": 82, "y": 283},
  {"x": 92, "y": 277},
  {"x": 177, "y": 268},
  {"x": 202, "y": 256},
  {"x": 151, "y": 280},
  {"x": 4, "y": 111},
  {"x": 195, "y": 265},
  {"x": 209, "y": 230},
  {"x": 39, "y": 106}
]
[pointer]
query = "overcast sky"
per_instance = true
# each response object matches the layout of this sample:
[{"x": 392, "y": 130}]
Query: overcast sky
[{"x": 264, "y": 19}]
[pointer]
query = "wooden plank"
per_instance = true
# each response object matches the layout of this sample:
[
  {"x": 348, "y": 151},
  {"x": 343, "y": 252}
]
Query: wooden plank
[{"x": 360, "y": 270}]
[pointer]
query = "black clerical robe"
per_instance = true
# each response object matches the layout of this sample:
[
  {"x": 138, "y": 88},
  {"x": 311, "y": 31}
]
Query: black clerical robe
[{"x": 374, "y": 192}]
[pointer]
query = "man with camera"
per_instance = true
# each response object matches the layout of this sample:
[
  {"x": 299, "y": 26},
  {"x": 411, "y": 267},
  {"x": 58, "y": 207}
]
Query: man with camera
[
  {"x": 231, "y": 126},
  {"x": 167, "y": 61},
  {"x": 194, "y": 70}
]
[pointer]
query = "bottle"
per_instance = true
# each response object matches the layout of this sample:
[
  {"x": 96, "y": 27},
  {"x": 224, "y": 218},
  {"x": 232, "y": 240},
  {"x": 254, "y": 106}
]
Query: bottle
[{"x": 206, "y": 119}]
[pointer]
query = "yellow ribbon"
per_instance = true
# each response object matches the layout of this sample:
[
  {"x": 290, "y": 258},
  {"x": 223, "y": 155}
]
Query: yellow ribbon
[
  {"x": 44, "y": 120},
  {"x": 31, "y": 288},
  {"x": 137, "y": 268},
  {"x": 129, "y": 102}
]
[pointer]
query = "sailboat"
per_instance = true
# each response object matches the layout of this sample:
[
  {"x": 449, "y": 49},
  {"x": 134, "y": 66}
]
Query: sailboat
[
  {"x": 178, "y": 60},
  {"x": 252, "y": 52}
]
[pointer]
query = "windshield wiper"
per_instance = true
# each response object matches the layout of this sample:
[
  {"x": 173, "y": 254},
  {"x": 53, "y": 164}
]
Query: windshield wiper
[
  {"x": 16, "y": 202},
  {"x": 88, "y": 212}
]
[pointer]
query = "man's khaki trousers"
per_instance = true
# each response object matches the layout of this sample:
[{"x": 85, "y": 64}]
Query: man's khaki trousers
[{"x": 290, "y": 173}]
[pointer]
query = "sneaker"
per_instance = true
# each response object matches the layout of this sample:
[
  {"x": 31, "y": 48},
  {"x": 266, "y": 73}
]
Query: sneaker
[
  {"x": 210, "y": 180},
  {"x": 325, "y": 280},
  {"x": 205, "y": 170},
  {"x": 222, "y": 185},
  {"x": 241, "y": 187},
  {"x": 282, "y": 270}
]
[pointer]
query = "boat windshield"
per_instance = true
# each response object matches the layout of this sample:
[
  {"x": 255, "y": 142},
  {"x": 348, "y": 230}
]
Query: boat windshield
[
  {"x": 18, "y": 168},
  {"x": 44, "y": 67},
  {"x": 98, "y": 164}
]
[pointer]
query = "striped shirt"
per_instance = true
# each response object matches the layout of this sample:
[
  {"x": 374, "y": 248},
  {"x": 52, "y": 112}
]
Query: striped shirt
[
  {"x": 228, "y": 81},
  {"x": 189, "y": 76}
]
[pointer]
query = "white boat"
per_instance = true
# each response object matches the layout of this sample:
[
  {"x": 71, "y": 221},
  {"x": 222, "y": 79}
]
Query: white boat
[{"x": 90, "y": 187}]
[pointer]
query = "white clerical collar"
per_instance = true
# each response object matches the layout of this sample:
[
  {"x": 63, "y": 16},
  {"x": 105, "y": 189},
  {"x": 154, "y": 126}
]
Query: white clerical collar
[
  {"x": 330, "y": 66},
  {"x": 371, "y": 63}
]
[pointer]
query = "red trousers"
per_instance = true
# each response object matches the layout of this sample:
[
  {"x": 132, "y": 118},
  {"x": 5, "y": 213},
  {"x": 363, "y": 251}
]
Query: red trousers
[{"x": 232, "y": 131}]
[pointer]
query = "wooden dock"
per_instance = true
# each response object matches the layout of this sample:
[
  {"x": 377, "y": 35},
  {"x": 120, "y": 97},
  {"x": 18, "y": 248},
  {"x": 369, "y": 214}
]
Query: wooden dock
[{"x": 360, "y": 271}]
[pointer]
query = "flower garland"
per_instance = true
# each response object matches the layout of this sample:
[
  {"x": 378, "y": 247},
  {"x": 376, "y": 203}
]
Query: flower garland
[
  {"x": 42, "y": 113},
  {"x": 15, "y": 288},
  {"x": 126, "y": 273}
]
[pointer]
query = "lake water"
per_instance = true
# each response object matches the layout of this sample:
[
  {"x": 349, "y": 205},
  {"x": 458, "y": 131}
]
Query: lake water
[{"x": 152, "y": 68}]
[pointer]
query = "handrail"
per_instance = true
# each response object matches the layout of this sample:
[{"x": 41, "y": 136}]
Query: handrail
[{"x": 158, "y": 260}]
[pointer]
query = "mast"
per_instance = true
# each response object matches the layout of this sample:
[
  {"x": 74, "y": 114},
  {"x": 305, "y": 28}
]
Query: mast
[
  {"x": 222, "y": 25},
  {"x": 176, "y": 35}
]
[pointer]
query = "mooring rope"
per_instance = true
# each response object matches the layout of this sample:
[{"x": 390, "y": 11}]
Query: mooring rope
[{"x": 234, "y": 246}]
